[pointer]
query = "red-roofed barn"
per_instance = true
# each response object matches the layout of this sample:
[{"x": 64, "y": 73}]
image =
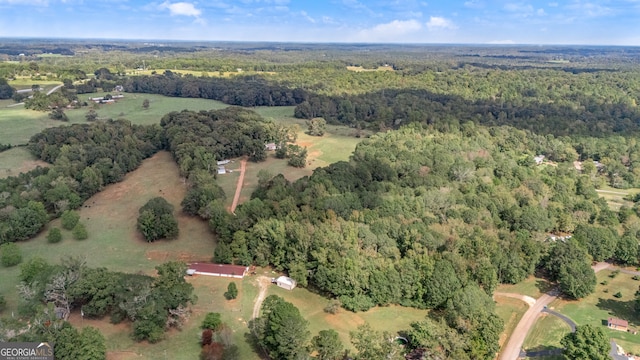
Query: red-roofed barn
[{"x": 223, "y": 270}]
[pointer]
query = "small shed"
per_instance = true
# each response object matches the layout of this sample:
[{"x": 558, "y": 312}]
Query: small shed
[
  {"x": 271, "y": 146},
  {"x": 222, "y": 270},
  {"x": 618, "y": 324},
  {"x": 286, "y": 282},
  {"x": 223, "y": 162},
  {"x": 221, "y": 170}
]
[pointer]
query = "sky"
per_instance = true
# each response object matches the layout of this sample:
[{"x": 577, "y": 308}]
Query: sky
[{"x": 592, "y": 22}]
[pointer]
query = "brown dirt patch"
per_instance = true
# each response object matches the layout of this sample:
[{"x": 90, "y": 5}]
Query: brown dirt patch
[
  {"x": 24, "y": 167},
  {"x": 304, "y": 143}
]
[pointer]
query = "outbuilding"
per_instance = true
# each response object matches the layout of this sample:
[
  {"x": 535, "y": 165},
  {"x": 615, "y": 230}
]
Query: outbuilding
[
  {"x": 618, "y": 324},
  {"x": 222, "y": 270},
  {"x": 286, "y": 282}
]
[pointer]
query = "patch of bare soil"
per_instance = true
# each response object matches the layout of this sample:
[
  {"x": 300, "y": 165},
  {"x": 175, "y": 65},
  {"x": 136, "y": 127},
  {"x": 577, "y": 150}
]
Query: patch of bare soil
[{"x": 263, "y": 283}]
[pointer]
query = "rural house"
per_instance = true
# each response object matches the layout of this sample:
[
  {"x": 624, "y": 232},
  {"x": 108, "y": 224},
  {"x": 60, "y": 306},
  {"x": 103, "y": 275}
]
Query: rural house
[
  {"x": 222, "y": 270},
  {"x": 286, "y": 282},
  {"x": 618, "y": 324}
]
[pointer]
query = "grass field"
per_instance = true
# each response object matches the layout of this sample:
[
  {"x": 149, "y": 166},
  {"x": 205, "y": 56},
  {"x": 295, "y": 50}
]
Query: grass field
[
  {"x": 596, "y": 308},
  {"x": 532, "y": 286},
  {"x": 19, "y": 124},
  {"x": 510, "y": 310},
  {"x": 311, "y": 305},
  {"x": 546, "y": 333},
  {"x": 615, "y": 197},
  {"x": 17, "y": 160}
]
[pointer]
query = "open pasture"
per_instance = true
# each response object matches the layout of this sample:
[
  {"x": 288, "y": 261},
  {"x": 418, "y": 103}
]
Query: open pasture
[{"x": 596, "y": 308}]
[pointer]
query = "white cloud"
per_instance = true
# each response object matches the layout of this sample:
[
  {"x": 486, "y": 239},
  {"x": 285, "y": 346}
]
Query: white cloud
[
  {"x": 519, "y": 7},
  {"x": 474, "y": 4},
  {"x": 306, "y": 16},
  {"x": 181, "y": 8},
  {"x": 390, "y": 31},
  {"x": 438, "y": 22},
  {"x": 590, "y": 9},
  {"x": 502, "y": 42},
  {"x": 553, "y": 4}
]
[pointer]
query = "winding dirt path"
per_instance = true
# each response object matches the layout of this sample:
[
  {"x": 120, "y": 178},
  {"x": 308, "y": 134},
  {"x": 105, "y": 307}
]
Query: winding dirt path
[
  {"x": 236, "y": 197},
  {"x": 263, "y": 284},
  {"x": 513, "y": 348},
  {"x": 528, "y": 299}
]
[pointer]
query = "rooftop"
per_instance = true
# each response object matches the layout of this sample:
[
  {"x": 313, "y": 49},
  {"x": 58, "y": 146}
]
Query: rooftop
[{"x": 219, "y": 268}]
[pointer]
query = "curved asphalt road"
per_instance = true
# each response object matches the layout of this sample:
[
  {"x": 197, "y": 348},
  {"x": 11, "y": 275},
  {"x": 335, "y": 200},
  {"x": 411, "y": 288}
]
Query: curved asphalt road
[{"x": 513, "y": 348}]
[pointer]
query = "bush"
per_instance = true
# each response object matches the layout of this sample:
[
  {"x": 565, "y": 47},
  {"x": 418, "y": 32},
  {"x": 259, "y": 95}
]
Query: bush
[
  {"x": 54, "y": 236},
  {"x": 614, "y": 273},
  {"x": 10, "y": 254},
  {"x": 617, "y": 295},
  {"x": 69, "y": 219},
  {"x": 3, "y": 303},
  {"x": 156, "y": 220},
  {"x": 79, "y": 232},
  {"x": 605, "y": 283},
  {"x": 333, "y": 307},
  {"x": 232, "y": 291},
  {"x": 212, "y": 321},
  {"x": 635, "y": 277}
]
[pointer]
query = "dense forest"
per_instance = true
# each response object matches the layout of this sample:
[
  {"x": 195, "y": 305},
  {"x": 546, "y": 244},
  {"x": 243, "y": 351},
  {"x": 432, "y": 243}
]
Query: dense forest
[{"x": 449, "y": 198}]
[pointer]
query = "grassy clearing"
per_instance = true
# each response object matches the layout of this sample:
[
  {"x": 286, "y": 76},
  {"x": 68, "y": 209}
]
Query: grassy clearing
[
  {"x": 546, "y": 333},
  {"x": 596, "y": 308},
  {"x": 510, "y": 310},
  {"x": 615, "y": 197},
  {"x": 532, "y": 286},
  {"x": 311, "y": 305},
  {"x": 130, "y": 107},
  {"x": 17, "y": 160},
  {"x": 19, "y": 124},
  {"x": 555, "y": 357}
]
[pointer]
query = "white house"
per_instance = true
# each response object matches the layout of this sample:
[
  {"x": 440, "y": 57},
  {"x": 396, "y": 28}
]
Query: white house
[{"x": 286, "y": 282}]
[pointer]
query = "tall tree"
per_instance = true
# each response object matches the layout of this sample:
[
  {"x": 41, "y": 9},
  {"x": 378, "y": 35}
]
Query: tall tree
[
  {"x": 586, "y": 343},
  {"x": 282, "y": 330}
]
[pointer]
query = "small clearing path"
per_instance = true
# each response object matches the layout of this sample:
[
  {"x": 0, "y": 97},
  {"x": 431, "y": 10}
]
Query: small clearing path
[
  {"x": 54, "y": 89},
  {"x": 513, "y": 349},
  {"x": 528, "y": 299},
  {"x": 611, "y": 192},
  {"x": 263, "y": 284},
  {"x": 236, "y": 197}
]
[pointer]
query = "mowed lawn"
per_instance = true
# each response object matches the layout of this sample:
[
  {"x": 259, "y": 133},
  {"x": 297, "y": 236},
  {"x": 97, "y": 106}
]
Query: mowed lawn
[
  {"x": 546, "y": 333},
  {"x": 389, "y": 318},
  {"x": 616, "y": 197},
  {"x": 596, "y": 308},
  {"x": 510, "y": 310},
  {"x": 17, "y": 160},
  {"x": 531, "y": 286}
]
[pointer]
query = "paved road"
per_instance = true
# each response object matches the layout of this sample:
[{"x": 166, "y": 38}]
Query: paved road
[
  {"x": 513, "y": 348},
  {"x": 564, "y": 318},
  {"x": 54, "y": 89}
]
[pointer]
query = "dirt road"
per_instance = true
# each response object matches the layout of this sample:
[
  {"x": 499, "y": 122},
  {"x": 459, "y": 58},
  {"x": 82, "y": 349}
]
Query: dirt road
[
  {"x": 512, "y": 350},
  {"x": 236, "y": 197},
  {"x": 528, "y": 299},
  {"x": 263, "y": 284}
]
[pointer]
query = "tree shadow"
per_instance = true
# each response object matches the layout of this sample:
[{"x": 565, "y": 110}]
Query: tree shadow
[
  {"x": 544, "y": 285},
  {"x": 621, "y": 309}
]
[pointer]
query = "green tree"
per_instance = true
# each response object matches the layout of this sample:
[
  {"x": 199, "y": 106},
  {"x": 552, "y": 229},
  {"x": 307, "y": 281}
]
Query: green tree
[
  {"x": 328, "y": 345},
  {"x": 371, "y": 344},
  {"x": 10, "y": 254},
  {"x": 145, "y": 104},
  {"x": 69, "y": 219},
  {"x": 627, "y": 250},
  {"x": 586, "y": 343},
  {"x": 232, "y": 291},
  {"x": 570, "y": 265},
  {"x": 91, "y": 115},
  {"x": 3, "y": 303},
  {"x": 58, "y": 114},
  {"x": 212, "y": 321},
  {"x": 54, "y": 235},
  {"x": 316, "y": 126},
  {"x": 281, "y": 330},
  {"x": 79, "y": 232},
  {"x": 156, "y": 220}
]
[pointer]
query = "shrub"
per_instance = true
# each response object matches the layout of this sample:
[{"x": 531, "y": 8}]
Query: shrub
[
  {"x": 605, "y": 283},
  {"x": 212, "y": 321},
  {"x": 333, "y": 307},
  {"x": 54, "y": 236},
  {"x": 10, "y": 254},
  {"x": 3, "y": 303},
  {"x": 69, "y": 219},
  {"x": 232, "y": 291},
  {"x": 614, "y": 273},
  {"x": 636, "y": 277},
  {"x": 79, "y": 232},
  {"x": 617, "y": 295}
]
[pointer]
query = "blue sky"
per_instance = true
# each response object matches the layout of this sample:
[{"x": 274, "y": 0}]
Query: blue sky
[{"x": 605, "y": 22}]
